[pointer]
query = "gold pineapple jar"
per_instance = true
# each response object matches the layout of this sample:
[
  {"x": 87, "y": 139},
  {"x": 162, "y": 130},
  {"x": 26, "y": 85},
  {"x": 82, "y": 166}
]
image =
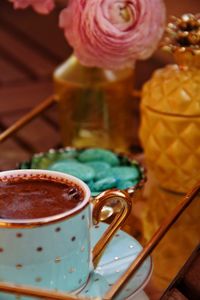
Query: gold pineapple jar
[{"x": 170, "y": 110}]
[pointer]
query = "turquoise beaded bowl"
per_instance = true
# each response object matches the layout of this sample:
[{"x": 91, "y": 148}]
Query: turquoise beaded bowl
[{"x": 100, "y": 169}]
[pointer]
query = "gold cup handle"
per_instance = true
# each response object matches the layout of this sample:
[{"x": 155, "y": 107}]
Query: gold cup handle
[{"x": 99, "y": 202}]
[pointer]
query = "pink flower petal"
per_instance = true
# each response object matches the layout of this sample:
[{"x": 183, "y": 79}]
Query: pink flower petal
[
  {"x": 113, "y": 33},
  {"x": 41, "y": 6}
]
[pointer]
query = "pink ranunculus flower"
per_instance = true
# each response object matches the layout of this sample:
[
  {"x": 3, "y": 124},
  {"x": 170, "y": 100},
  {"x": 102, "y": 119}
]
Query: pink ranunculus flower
[
  {"x": 41, "y": 6},
  {"x": 113, "y": 33}
]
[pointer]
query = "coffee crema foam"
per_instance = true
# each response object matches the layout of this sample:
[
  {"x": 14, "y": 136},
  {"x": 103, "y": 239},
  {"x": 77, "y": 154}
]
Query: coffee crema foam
[{"x": 37, "y": 196}]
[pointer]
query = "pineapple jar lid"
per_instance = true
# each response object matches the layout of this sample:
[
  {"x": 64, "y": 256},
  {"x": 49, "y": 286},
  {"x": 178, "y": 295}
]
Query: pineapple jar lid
[{"x": 175, "y": 89}]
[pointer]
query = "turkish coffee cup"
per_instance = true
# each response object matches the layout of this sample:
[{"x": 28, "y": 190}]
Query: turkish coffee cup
[{"x": 45, "y": 225}]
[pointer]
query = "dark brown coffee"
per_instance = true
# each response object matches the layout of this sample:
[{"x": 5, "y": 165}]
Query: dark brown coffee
[{"x": 37, "y": 198}]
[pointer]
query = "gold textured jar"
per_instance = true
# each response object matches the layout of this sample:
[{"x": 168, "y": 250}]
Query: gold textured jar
[{"x": 170, "y": 110}]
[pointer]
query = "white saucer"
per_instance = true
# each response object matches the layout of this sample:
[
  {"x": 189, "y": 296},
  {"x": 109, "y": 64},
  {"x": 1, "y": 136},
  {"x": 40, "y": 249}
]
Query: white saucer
[{"x": 119, "y": 254}]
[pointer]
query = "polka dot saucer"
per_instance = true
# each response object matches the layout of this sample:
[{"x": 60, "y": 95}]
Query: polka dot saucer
[{"x": 119, "y": 254}]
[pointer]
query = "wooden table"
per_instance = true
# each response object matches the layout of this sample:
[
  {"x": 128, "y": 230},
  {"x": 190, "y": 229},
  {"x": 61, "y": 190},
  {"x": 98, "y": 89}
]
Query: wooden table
[{"x": 31, "y": 46}]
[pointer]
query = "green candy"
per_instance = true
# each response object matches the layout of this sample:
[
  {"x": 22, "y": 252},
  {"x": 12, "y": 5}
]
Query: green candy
[
  {"x": 91, "y": 185},
  {"x": 96, "y": 154},
  {"x": 98, "y": 166},
  {"x": 122, "y": 185},
  {"x": 103, "y": 173},
  {"x": 94, "y": 194},
  {"x": 66, "y": 160},
  {"x": 76, "y": 169},
  {"x": 125, "y": 173},
  {"x": 105, "y": 183}
]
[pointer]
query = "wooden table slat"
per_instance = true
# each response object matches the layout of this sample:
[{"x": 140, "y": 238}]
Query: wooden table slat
[
  {"x": 23, "y": 55},
  {"x": 10, "y": 154},
  {"x": 38, "y": 134},
  {"x": 10, "y": 74},
  {"x": 23, "y": 97},
  {"x": 29, "y": 24},
  {"x": 51, "y": 116}
]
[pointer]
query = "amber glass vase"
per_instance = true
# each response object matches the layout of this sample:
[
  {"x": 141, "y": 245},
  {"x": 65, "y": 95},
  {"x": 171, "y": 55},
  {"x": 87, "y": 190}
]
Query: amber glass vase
[
  {"x": 95, "y": 106},
  {"x": 170, "y": 126}
]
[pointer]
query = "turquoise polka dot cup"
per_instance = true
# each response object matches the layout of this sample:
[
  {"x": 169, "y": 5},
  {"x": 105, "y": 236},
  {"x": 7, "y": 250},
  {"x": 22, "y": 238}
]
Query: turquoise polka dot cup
[{"x": 55, "y": 251}]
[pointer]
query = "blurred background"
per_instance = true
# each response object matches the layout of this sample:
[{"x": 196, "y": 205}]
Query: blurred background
[{"x": 31, "y": 47}]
